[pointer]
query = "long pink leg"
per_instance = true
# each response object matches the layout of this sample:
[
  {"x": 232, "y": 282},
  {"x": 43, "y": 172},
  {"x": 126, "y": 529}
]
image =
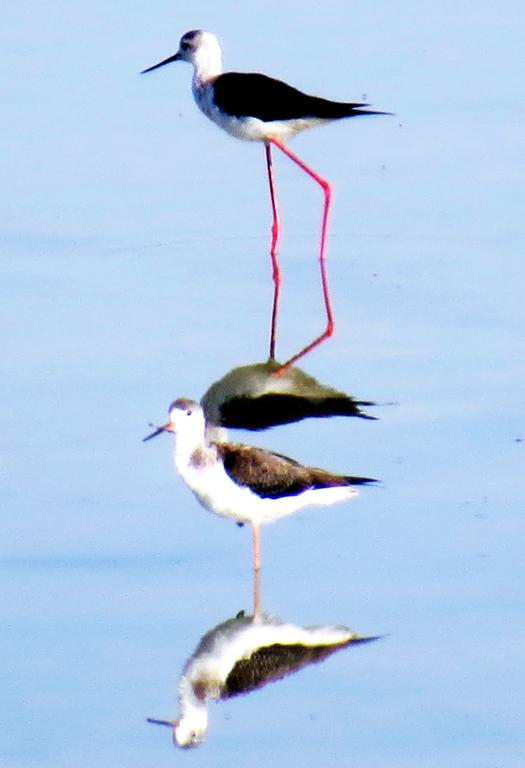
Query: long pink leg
[
  {"x": 276, "y": 236},
  {"x": 327, "y": 190},
  {"x": 256, "y": 539}
]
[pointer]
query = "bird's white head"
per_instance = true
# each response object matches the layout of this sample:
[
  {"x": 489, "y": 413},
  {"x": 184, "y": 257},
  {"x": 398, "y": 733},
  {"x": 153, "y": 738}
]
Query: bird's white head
[
  {"x": 190, "y": 730},
  {"x": 186, "y": 417},
  {"x": 198, "y": 45},
  {"x": 199, "y": 48}
]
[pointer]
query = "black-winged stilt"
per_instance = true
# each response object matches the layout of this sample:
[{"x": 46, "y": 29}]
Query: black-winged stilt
[
  {"x": 247, "y": 484},
  {"x": 244, "y": 654},
  {"x": 252, "y": 397},
  {"x": 256, "y": 107}
]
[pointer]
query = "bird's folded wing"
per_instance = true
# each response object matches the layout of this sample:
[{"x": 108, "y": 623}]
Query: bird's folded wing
[
  {"x": 272, "y": 663},
  {"x": 244, "y": 94},
  {"x": 271, "y": 475}
]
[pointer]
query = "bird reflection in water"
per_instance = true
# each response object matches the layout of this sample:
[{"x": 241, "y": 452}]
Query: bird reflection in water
[
  {"x": 241, "y": 655},
  {"x": 253, "y": 397}
]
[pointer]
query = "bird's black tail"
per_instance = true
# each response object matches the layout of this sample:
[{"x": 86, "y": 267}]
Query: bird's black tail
[
  {"x": 332, "y": 110},
  {"x": 359, "y": 110},
  {"x": 352, "y": 480}
]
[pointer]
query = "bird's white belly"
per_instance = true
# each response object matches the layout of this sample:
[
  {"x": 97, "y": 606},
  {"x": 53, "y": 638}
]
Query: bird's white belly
[
  {"x": 216, "y": 491},
  {"x": 250, "y": 128},
  {"x": 253, "y": 129}
]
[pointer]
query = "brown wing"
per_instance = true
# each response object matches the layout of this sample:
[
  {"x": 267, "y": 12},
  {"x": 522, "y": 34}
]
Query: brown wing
[
  {"x": 271, "y": 475},
  {"x": 274, "y": 662}
]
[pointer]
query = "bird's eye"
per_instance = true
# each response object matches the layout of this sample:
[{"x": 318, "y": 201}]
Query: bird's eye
[
  {"x": 188, "y": 413},
  {"x": 185, "y": 45}
]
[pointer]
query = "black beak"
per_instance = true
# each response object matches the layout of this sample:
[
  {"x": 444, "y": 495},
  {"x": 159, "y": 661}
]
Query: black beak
[
  {"x": 158, "y": 431},
  {"x": 154, "y": 721},
  {"x": 175, "y": 57}
]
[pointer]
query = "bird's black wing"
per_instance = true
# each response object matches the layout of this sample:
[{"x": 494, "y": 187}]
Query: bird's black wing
[
  {"x": 274, "y": 408},
  {"x": 246, "y": 94}
]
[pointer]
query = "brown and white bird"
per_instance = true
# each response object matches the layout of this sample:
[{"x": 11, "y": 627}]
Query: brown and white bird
[
  {"x": 243, "y": 654},
  {"x": 255, "y": 107},
  {"x": 244, "y": 483}
]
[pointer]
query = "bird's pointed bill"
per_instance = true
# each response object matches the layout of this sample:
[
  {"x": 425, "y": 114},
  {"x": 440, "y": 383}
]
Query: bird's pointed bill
[
  {"x": 158, "y": 431},
  {"x": 168, "y": 723},
  {"x": 175, "y": 57}
]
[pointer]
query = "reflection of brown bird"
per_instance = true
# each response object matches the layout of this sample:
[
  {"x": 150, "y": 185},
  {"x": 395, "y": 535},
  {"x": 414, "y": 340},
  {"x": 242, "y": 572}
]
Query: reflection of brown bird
[
  {"x": 241, "y": 655},
  {"x": 252, "y": 397},
  {"x": 247, "y": 484}
]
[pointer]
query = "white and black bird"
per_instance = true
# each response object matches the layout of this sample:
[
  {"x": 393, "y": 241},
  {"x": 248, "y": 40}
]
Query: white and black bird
[
  {"x": 256, "y": 107},
  {"x": 247, "y": 484},
  {"x": 244, "y": 654}
]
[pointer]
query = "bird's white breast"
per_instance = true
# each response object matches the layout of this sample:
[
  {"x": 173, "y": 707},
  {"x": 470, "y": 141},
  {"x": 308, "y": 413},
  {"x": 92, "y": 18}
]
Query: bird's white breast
[{"x": 218, "y": 493}]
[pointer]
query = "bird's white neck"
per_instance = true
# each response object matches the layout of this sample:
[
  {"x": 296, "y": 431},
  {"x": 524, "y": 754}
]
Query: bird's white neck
[
  {"x": 207, "y": 61},
  {"x": 191, "y": 449},
  {"x": 193, "y": 721}
]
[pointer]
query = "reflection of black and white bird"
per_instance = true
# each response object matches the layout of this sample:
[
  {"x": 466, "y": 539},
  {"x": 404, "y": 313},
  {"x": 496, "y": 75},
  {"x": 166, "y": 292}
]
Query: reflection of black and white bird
[
  {"x": 241, "y": 655},
  {"x": 251, "y": 397},
  {"x": 255, "y": 107},
  {"x": 247, "y": 484}
]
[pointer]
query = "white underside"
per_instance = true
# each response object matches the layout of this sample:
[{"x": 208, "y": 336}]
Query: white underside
[
  {"x": 250, "y": 128},
  {"x": 217, "y": 492}
]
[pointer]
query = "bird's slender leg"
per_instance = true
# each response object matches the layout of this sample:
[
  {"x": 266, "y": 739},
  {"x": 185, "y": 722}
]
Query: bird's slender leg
[
  {"x": 276, "y": 236},
  {"x": 256, "y": 534},
  {"x": 327, "y": 191}
]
